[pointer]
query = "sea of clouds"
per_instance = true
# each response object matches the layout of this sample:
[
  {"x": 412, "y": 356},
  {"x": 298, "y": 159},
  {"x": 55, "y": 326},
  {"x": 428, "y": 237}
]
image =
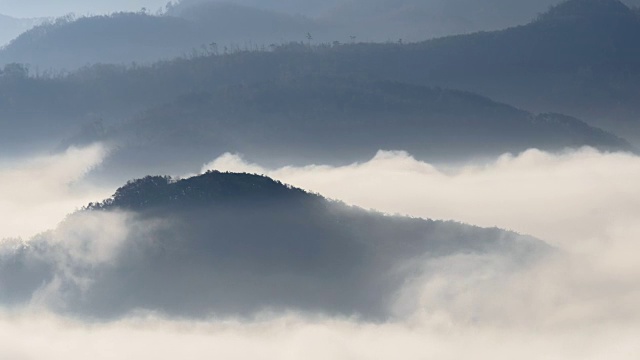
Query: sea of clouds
[{"x": 580, "y": 303}]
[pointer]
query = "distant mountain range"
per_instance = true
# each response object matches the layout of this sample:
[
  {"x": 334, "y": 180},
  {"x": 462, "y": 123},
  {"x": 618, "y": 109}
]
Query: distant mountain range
[
  {"x": 411, "y": 20},
  {"x": 11, "y": 27},
  {"x": 201, "y": 26},
  {"x": 335, "y": 120},
  {"x": 123, "y": 38},
  {"x": 225, "y": 244},
  {"x": 175, "y": 116},
  {"x": 580, "y": 58},
  {"x": 297, "y": 103}
]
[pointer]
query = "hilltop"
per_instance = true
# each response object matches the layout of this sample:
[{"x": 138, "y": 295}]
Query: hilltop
[{"x": 227, "y": 244}]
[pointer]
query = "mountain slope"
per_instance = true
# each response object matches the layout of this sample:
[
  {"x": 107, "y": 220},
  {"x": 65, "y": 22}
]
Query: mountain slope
[
  {"x": 410, "y": 20},
  {"x": 333, "y": 120},
  {"x": 248, "y": 24},
  {"x": 11, "y": 27},
  {"x": 267, "y": 104},
  {"x": 124, "y": 38},
  {"x": 581, "y": 58},
  {"x": 235, "y": 244},
  {"x": 71, "y": 43}
]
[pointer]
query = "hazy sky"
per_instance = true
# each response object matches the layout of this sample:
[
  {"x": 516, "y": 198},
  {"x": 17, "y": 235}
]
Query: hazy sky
[{"x": 46, "y": 8}]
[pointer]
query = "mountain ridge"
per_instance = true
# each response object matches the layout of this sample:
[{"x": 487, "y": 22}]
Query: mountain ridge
[
  {"x": 13, "y": 27},
  {"x": 339, "y": 121},
  {"x": 586, "y": 9},
  {"x": 226, "y": 244}
]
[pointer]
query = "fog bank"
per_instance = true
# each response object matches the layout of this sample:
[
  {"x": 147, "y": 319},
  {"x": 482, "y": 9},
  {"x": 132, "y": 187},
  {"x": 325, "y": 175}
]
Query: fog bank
[
  {"x": 580, "y": 304},
  {"x": 577, "y": 195},
  {"x": 37, "y": 192},
  {"x": 584, "y": 202}
]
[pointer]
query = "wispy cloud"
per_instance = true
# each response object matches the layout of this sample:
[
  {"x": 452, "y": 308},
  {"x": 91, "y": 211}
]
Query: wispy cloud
[
  {"x": 36, "y": 193},
  {"x": 580, "y": 304}
]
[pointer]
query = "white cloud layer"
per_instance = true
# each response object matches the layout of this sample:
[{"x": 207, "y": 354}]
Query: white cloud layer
[
  {"x": 573, "y": 197},
  {"x": 291, "y": 338},
  {"x": 580, "y": 304},
  {"x": 36, "y": 193}
]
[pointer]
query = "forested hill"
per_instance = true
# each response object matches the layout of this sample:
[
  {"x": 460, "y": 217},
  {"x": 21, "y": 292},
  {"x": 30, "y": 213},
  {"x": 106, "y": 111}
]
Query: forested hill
[
  {"x": 580, "y": 58},
  {"x": 335, "y": 120},
  {"x": 68, "y": 43},
  {"x": 289, "y": 104},
  {"x": 235, "y": 244},
  {"x": 11, "y": 27},
  {"x": 247, "y": 24},
  {"x": 211, "y": 189},
  {"x": 202, "y": 26},
  {"x": 124, "y": 38}
]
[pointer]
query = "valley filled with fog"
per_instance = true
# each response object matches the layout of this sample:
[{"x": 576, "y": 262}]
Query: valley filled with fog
[
  {"x": 338, "y": 179},
  {"x": 580, "y": 297}
]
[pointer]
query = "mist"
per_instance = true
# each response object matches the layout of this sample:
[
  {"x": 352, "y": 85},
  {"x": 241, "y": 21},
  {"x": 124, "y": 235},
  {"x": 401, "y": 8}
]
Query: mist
[
  {"x": 538, "y": 193},
  {"x": 579, "y": 303},
  {"x": 409, "y": 19},
  {"x": 38, "y": 191},
  {"x": 43, "y": 8},
  {"x": 583, "y": 202},
  {"x": 337, "y": 179}
]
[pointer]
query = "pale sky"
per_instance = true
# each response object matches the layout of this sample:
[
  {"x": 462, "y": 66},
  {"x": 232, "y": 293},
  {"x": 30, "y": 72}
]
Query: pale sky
[
  {"x": 51, "y": 8},
  {"x": 48, "y": 8}
]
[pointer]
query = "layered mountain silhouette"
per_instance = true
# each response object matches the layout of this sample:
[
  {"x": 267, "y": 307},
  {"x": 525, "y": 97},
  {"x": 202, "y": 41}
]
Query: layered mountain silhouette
[
  {"x": 176, "y": 116},
  {"x": 11, "y": 27},
  {"x": 248, "y": 24},
  {"x": 334, "y": 120},
  {"x": 414, "y": 20},
  {"x": 69, "y": 43},
  {"x": 125, "y": 38},
  {"x": 578, "y": 58},
  {"x": 227, "y": 244},
  {"x": 585, "y": 10}
]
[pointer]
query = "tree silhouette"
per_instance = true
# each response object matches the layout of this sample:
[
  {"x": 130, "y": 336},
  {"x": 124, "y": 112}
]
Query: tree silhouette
[{"x": 309, "y": 38}]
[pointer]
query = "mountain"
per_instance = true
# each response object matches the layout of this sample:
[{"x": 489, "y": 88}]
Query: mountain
[
  {"x": 410, "y": 20},
  {"x": 577, "y": 10},
  {"x": 419, "y": 20},
  {"x": 124, "y": 38},
  {"x": 12, "y": 27},
  {"x": 191, "y": 27},
  {"x": 580, "y": 58},
  {"x": 335, "y": 120},
  {"x": 70, "y": 43},
  {"x": 227, "y": 244},
  {"x": 238, "y": 26},
  {"x": 323, "y": 102}
]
